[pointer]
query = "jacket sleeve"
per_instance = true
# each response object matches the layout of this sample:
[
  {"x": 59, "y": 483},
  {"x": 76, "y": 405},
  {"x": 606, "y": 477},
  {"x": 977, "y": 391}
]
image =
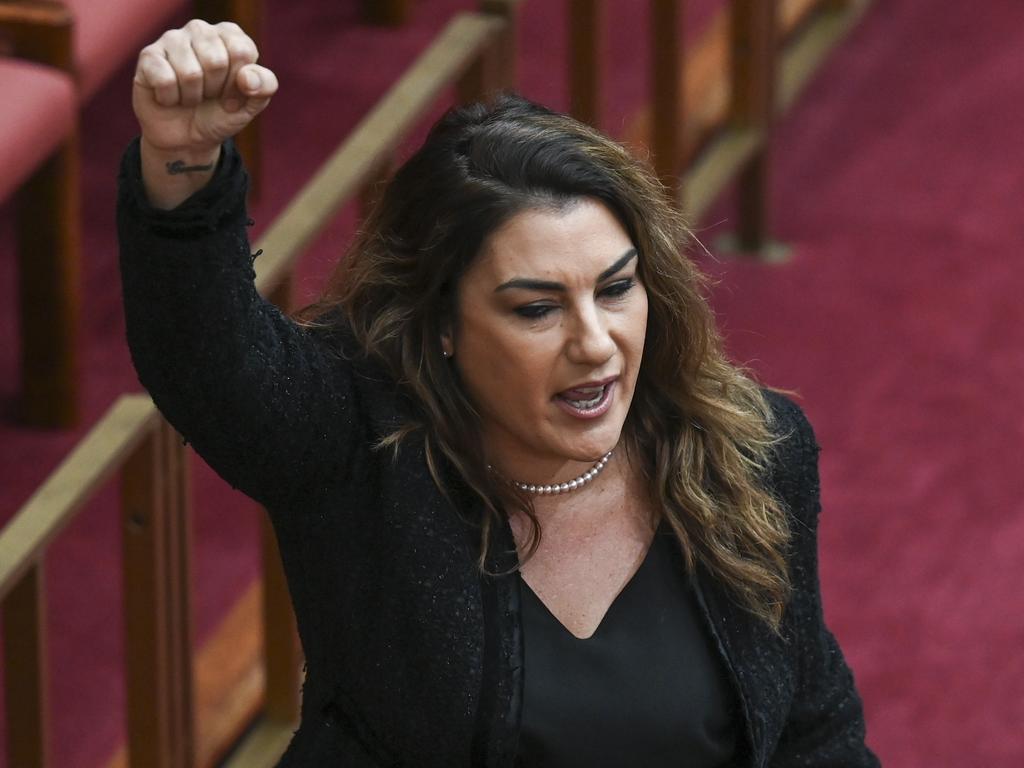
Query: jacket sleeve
[
  {"x": 825, "y": 727},
  {"x": 268, "y": 404}
]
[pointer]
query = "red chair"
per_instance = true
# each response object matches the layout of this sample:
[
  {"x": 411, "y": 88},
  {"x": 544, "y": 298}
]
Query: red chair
[
  {"x": 90, "y": 41},
  {"x": 39, "y": 167},
  {"x": 110, "y": 32}
]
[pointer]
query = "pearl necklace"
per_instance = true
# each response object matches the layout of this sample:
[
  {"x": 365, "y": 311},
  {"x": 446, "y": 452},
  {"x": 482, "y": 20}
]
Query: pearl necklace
[{"x": 556, "y": 488}]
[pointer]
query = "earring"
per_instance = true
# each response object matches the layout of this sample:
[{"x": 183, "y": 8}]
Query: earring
[{"x": 446, "y": 353}]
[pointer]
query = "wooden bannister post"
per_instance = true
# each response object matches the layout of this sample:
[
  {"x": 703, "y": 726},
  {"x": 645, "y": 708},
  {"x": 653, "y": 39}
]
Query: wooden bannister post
[
  {"x": 586, "y": 33},
  {"x": 506, "y": 62},
  {"x": 666, "y": 80},
  {"x": 25, "y": 672},
  {"x": 48, "y": 245},
  {"x": 154, "y": 493},
  {"x": 753, "y": 74},
  {"x": 391, "y": 13}
]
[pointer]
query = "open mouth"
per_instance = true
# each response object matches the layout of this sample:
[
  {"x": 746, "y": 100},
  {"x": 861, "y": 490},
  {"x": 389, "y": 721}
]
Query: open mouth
[{"x": 586, "y": 401}]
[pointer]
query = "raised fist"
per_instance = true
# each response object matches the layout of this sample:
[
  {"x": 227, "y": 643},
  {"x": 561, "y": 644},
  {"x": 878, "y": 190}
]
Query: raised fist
[{"x": 199, "y": 85}]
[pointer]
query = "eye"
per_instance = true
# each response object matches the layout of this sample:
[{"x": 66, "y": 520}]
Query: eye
[
  {"x": 618, "y": 288},
  {"x": 534, "y": 311}
]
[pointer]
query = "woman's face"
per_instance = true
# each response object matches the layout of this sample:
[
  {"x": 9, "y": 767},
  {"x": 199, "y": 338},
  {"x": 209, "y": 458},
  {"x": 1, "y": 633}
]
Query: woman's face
[{"x": 548, "y": 340}]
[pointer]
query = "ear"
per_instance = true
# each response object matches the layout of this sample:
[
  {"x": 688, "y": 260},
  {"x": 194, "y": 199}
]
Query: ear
[{"x": 447, "y": 346}]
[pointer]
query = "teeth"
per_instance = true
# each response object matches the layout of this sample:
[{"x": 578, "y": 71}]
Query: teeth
[{"x": 584, "y": 405}]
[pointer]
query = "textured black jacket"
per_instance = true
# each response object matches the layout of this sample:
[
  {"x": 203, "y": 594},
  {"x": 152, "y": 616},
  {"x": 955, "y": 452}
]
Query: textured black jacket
[{"x": 413, "y": 659}]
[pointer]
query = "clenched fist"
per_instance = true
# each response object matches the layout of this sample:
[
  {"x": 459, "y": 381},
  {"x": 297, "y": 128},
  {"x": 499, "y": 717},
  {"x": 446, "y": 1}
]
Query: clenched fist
[{"x": 194, "y": 88}]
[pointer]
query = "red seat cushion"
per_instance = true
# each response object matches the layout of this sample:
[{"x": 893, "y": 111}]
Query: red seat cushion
[
  {"x": 39, "y": 106},
  {"x": 111, "y": 32}
]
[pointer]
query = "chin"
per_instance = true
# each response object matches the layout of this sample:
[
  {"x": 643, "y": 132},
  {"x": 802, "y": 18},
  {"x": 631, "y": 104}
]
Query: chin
[{"x": 593, "y": 449}]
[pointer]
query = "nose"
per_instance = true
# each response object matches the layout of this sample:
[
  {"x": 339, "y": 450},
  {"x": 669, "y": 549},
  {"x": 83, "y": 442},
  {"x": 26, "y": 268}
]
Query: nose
[{"x": 590, "y": 341}]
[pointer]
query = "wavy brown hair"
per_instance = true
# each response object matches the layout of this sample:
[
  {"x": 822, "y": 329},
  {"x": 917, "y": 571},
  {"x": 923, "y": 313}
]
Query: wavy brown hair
[{"x": 699, "y": 429}]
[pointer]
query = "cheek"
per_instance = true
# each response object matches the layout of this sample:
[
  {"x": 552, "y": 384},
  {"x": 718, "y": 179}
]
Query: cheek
[
  {"x": 500, "y": 366},
  {"x": 636, "y": 325}
]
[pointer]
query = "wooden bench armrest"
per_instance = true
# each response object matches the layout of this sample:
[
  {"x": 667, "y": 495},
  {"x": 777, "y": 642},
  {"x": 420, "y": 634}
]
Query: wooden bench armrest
[
  {"x": 47, "y": 13},
  {"x": 37, "y": 30}
]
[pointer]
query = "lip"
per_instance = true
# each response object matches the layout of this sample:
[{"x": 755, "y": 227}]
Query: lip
[
  {"x": 601, "y": 383},
  {"x": 598, "y": 410}
]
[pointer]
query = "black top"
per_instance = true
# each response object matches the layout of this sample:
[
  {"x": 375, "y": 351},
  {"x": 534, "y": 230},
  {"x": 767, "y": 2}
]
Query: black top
[
  {"x": 413, "y": 657},
  {"x": 647, "y": 688}
]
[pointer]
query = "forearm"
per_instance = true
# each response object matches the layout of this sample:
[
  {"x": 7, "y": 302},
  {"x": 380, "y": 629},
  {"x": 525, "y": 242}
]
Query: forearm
[
  {"x": 170, "y": 177},
  {"x": 238, "y": 379}
]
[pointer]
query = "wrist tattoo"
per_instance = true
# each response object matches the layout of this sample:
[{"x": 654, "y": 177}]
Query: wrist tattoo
[{"x": 178, "y": 166}]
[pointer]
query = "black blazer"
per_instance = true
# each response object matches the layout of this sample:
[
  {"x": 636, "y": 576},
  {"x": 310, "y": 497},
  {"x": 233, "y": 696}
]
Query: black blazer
[{"x": 413, "y": 659}]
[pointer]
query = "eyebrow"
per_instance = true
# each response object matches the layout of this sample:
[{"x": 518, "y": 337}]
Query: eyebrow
[{"x": 547, "y": 285}]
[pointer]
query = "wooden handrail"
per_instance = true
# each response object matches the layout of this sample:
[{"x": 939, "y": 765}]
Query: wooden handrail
[
  {"x": 92, "y": 462},
  {"x": 129, "y": 434},
  {"x": 710, "y": 146},
  {"x": 371, "y": 143},
  {"x": 728, "y": 148}
]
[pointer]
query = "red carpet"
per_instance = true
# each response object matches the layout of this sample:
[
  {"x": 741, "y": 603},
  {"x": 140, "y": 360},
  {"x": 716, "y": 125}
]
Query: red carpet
[{"x": 897, "y": 184}]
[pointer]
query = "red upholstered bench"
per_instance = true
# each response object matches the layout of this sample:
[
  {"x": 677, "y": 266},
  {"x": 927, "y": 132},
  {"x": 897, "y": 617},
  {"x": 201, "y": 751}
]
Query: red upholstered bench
[
  {"x": 38, "y": 167},
  {"x": 90, "y": 40},
  {"x": 38, "y": 114},
  {"x": 108, "y": 33}
]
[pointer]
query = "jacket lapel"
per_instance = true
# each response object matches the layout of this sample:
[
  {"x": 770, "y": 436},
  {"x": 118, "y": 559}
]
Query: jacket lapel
[{"x": 759, "y": 667}]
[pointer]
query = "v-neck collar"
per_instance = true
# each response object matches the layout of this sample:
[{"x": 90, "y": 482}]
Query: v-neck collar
[{"x": 620, "y": 595}]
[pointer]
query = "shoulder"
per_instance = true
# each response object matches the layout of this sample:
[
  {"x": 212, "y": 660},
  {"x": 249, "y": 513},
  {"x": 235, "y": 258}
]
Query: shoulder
[
  {"x": 793, "y": 474},
  {"x": 789, "y": 422}
]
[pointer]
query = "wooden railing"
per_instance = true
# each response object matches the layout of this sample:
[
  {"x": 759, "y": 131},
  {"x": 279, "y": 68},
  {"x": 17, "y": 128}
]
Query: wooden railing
[
  {"x": 746, "y": 70},
  {"x": 713, "y": 104},
  {"x": 474, "y": 54}
]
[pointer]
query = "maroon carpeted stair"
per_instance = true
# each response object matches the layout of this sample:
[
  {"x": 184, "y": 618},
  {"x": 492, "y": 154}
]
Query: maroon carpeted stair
[{"x": 899, "y": 319}]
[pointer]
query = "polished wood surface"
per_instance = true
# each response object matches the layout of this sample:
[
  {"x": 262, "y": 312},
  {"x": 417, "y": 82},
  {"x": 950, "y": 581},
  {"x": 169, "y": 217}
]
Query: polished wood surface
[
  {"x": 26, "y": 671},
  {"x": 753, "y": 74},
  {"x": 93, "y": 461},
  {"x": 390, "y": 13},
  {"x": 158, "y": 643},
  {"x": 668, "y": 100},
  {"x": 586, "y": 62}
]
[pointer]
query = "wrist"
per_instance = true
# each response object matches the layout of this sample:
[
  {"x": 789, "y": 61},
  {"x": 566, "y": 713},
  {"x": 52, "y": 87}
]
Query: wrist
[
  {"x": 170, "y": 176},
  {"x": 195, "y": 158}
]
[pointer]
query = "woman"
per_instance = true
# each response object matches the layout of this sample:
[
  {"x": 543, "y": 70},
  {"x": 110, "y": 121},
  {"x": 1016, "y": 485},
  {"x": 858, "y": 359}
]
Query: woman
[{"x": 528, "y": 513}]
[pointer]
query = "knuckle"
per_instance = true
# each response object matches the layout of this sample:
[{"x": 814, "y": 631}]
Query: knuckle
[
  {"x": 213, "y": 59},
  {"x": 241, "y": 46},
  {"x": 191, "y": 75},
  {"x": 160, "y": 79},
  {"x": 240, "y": 51}
]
